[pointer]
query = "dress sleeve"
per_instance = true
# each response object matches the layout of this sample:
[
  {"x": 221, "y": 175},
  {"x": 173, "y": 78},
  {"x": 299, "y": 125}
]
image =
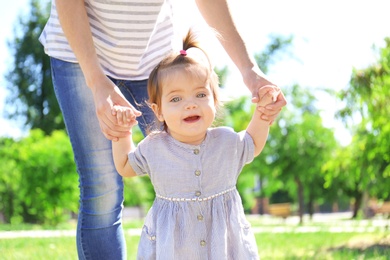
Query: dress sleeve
[
  {"x": 246, "y": 146},
  {"x": 236, "y": 148},
  {"x": 138, "y": 158}
]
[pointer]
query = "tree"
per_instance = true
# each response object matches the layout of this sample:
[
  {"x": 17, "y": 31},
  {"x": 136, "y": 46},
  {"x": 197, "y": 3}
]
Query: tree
[
  {"x": 291, "y": 162},
  {"x": 299, "y": 146},
  {"x": 369, "y": 90},
  {"x": 32, "y": 99},
  {"x": 290, "y": 166},
  {"x": 349, "y": 172},
  {"x": 367, "y": 160}
]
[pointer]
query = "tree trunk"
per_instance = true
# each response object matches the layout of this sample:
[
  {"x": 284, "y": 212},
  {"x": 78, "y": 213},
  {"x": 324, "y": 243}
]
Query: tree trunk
[
  {"x": 310, "y": 207},
  {"x": 357, "y": 204},
  {"x": 301, "y": 201}
]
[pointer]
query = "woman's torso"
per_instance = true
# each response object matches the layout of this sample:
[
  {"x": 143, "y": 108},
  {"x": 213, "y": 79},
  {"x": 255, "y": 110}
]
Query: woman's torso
[{"x": 130, "y": 37}]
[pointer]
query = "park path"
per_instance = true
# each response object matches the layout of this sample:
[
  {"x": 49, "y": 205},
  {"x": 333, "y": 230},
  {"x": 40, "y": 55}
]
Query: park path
[{"x": 333, "y": 223}]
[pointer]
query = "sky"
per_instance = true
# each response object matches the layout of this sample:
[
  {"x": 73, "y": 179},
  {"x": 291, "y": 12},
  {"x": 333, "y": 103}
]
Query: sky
[{"x": 331, "y": 37}]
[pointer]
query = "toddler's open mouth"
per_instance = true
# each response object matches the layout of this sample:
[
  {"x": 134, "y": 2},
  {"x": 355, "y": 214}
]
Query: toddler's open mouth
[{"x": 191, "y": 119}]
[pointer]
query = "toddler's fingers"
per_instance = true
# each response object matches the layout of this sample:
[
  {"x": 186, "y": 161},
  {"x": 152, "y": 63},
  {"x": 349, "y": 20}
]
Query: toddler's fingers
[
  {"x": 125, "y": 116},
  {"x": 129, "y": 116},
  {"x": 266, "y": 99},
  {"x": 119, "y": 116}
]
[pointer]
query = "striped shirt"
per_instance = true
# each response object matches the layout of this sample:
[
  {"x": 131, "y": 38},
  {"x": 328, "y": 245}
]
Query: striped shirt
[{"x": 130, "y": 36}]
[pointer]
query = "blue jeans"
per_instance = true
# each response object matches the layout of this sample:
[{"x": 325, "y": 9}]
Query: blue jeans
[{"x": 99, "y": 230}]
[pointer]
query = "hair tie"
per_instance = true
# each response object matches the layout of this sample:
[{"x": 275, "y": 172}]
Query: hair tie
[{"x": 183, "y": 53}]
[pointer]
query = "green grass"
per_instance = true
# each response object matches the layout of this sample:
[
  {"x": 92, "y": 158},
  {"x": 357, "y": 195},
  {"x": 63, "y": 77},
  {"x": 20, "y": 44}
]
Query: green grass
[
  {"x": 289, "y": 245},
  {"x": 38, "y": 248},
  {"x": 323, "y": 246}
]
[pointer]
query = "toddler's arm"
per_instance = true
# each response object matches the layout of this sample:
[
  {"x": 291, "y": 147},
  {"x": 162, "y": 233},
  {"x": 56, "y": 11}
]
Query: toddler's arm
[
  {"x": 122, "y": 147},
  {"x": 258, "y": 128}
]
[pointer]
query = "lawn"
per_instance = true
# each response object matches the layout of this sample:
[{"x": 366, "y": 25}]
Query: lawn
[{"x": 276, "y": 240}]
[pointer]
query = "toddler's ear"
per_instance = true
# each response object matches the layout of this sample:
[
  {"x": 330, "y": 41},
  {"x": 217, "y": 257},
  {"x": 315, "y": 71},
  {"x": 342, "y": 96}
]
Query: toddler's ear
[{"x": 157, "y": 112}]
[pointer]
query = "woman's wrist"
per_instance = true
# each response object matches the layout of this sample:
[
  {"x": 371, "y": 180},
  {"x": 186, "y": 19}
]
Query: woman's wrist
[
  {"x": 252, "y": 76},
  {"x": 94, "y": 75}
]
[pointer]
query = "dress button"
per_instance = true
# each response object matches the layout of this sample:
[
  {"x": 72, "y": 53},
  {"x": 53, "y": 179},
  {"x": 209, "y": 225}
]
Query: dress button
[
  {"x": 197, "y": 173},
  {"x": 153, "y": 238},
  {"x": 200, "y": 217},
  {"x": 203, "y": 243},
  {"x": 197, "y": 193},
  {"x": 196, "y": 151}
]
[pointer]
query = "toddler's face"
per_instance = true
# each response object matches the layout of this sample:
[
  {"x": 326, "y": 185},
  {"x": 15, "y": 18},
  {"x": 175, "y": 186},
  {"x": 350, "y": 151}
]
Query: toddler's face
[{"x": 187, "y": 106}]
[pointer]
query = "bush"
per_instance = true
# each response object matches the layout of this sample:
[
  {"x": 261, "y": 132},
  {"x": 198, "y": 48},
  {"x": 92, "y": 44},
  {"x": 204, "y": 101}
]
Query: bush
[{"x": 38, "y": 180}]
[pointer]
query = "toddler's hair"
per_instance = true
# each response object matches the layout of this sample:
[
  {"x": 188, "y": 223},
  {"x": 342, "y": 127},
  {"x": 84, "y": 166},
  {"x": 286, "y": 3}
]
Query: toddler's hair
[{"x": 191, "y": 60}]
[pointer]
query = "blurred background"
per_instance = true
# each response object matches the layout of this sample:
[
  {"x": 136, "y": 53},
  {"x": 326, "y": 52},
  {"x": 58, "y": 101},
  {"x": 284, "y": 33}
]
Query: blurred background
[{"x": 328, "y": 151}]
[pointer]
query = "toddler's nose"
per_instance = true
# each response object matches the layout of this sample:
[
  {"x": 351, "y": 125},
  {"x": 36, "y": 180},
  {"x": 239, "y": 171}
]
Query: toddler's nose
[{"x": 191, "y": 105}]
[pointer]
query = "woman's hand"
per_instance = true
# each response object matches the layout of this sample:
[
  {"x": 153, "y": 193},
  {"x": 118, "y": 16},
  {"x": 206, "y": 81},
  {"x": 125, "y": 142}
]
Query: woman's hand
[
  {"x": 257, "y": 82},
  {"x": 106, "y": 96}
]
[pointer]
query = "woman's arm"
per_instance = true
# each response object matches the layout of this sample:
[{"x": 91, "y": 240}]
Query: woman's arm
[
  {"x": 217, "y": 14},
  {"x": 75, "y": 24}
]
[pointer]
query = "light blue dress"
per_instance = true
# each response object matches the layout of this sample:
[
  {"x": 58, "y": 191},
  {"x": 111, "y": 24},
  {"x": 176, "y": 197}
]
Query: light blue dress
[{"x": 197, "y": 213}]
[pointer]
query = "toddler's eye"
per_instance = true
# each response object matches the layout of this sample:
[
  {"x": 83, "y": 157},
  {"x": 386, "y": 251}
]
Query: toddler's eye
[
  {"x": 175, "y": 99},
  {"x": 201, "y": 95}
]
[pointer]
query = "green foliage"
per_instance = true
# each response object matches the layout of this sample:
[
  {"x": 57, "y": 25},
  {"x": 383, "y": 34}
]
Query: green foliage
[
  {"x": 364, "y": 166},
  {"x": 367, "y": 95},
  {"x": 38, "y": 183},
  {"x": 297, "y": 147},
  {"x": 31, "y": 98},
  {"x": 222, "y": 75},
  {"x": 277, "y": 46}
]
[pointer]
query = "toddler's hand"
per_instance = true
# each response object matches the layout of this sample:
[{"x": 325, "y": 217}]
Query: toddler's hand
[
  {"x": 268, "y": 98},
  {"x": 124, "y": 116}
]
